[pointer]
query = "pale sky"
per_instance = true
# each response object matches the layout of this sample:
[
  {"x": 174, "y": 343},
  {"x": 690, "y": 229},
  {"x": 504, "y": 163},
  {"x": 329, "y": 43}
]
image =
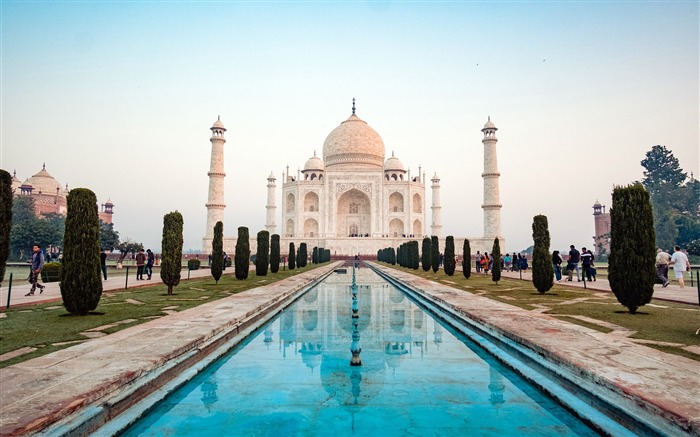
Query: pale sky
[{"x": 119, "y": 96}]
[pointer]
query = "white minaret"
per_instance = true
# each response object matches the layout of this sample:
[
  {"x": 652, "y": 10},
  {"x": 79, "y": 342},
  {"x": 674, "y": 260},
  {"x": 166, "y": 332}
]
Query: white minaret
[
  {"x": 270, "y": 219},
  {"x": 215, "y": 201},
  {"x": 492, "y": 202},
  {"x": 436, "y": 228}
]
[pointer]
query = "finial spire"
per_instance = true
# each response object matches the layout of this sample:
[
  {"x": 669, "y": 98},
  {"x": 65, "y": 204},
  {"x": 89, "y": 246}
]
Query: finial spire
[
  {"x": 353, "y": 106},
  {"x": 44, "y": 166},
  {"x": 218, "y": 118}
]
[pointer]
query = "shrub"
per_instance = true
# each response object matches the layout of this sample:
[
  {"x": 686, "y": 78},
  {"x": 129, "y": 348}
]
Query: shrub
[
  {"x": 466, "y": 259},
  {"x": 81, "y": 274},
  {"x": 51, "y": 272},
  {"x": 449, "y": 262},
  {"x": 291, "y": 261},
  {"x": 242, "y": 256},
  {"x": 274, "y": 253},
  {"x": 631, "y": 264},
  {"x": 303, "y": 255},
  {"x": 217, "y": 252},
  {"x": 542, "y": 267},
  {"x": 171, "y": 250},
  {"x": 425, "y": 258},
  {"x": 193, "y": 264},
  {"x": 434, "y": 253},
  {"x": 496, "y": 257},
  {"x": 262, "y": 256},
  {"x": 5, "y": 219}
]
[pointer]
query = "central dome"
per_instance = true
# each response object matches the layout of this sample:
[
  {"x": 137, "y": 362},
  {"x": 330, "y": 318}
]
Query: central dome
[{"x": 354, "y": 143}]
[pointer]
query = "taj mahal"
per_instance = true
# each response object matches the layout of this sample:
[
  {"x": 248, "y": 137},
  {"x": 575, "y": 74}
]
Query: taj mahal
[{"x": 353, "y": 200}]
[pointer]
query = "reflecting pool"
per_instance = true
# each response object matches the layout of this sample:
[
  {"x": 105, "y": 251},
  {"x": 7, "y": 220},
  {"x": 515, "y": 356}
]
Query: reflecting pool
[{"x": 417, "y": 377}]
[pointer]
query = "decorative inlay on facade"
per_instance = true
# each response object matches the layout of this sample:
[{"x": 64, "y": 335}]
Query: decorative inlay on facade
[{"x": 343, "y": 187}]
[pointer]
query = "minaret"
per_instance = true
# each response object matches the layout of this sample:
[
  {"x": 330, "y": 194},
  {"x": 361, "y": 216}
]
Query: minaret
[
  {"x": 215, "y": 202},
  {"x": 436, "y": 228},
  {"x": 492, "y": 203},
  {"x": 270, "y": 219}
]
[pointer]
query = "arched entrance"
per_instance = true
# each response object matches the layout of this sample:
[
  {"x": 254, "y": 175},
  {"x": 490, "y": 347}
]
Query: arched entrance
[{"x": 354, "y": 214}]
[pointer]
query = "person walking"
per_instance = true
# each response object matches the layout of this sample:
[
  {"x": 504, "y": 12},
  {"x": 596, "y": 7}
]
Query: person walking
[
  {"x": 150, "y": 258},
  {"x": 523, "y": 263},
  {"x": 140, "y": 263},
  {"x": 586, "y": 261},
  {"x": 103, "y": 263},
  {"x": 479, "y": 259},
  {"x": 556, "y": 262},
  {"x": 574, "y": 259},
  {"x": 37, "y": 265},
  {"x": 680, "y": 264},
  {"x": 662, "y": 261},
  {"x": 508, "y": 261},
  {"x": 592, "y": 267},
  {"x": 485, "y": 263}
]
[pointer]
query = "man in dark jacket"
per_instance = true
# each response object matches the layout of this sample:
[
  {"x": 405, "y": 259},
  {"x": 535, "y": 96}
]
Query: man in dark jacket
[
  {"x": 37, "y": 265},
  {"x": 574, "y": 259}
]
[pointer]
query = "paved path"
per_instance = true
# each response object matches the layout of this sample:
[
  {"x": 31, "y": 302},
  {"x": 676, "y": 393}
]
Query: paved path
[
  {"x": 672, "y": 293},
  {"x": 52, "y": 292}
]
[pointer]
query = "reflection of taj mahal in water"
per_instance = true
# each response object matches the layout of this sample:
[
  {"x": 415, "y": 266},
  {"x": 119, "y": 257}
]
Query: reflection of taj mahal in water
[{"x": 353, "y": 201}]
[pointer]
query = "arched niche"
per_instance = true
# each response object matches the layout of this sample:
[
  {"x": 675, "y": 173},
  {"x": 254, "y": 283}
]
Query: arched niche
[
  {"x": 396, "y": 202},
  {"x": 311, "y": 202}
]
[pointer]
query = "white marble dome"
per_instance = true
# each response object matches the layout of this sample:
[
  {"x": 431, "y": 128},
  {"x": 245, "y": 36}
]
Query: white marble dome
[
  {"x": 355, "y": 143},
  {"x": 314, "y": 163},
  {"x": 394, "y": 164},
  {"x": 44, "y": 183}
]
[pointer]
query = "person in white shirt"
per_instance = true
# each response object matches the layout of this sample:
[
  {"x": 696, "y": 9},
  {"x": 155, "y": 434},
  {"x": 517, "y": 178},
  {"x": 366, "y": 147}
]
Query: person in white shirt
[{"x": 680, "y": 264}]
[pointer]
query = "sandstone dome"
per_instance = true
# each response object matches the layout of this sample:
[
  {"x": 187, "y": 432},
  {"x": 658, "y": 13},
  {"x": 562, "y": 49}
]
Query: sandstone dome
[
  {"x": 314, "y": 163},
  {"x": 354, "y": 143},
  {"x": 44, "y": 183}
]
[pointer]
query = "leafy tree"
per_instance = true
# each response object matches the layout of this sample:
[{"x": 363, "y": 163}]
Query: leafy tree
[
  {"x": 262, "y": 256},
  {"x": 466, "y": 259},
  {"x": 425, "y": 259},
  {"x": 662, "y": 171},
  {"x": 496, "y": 256},
  {"x": 449, "y": 263},
  {"x": 28, "y": 229},
  {"x": 631, "y": 265},
  {"x": 291, "y": 261},
  {"x": 217, "y": 252},
  {"x": 109, "y": 238},
  {"x": 171, "y": 250},
  {"x": 434, "y": 253},
  {"x": 127, "y": 247},
  {"x": 274, "y": 253},
  {"x": 303, "y": 255},
  {"x": 5, "y": 219},
  {"x": 242, "y": 253},
  {"x": 81, "y": 281},
  {"x": 542, "y": 267},
  {"x": 693, "y": 247}
]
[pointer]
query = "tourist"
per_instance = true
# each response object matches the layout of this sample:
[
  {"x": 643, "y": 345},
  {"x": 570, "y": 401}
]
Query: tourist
[
  {"x": 479, "y": 259},
  {"x": 516, "y": 262},
  {"x": 680, "y": 264},
  {"x": 103, "y": 263},
  {"x": 523, "y": 263},
  {"x": 149, "y": 263},
  {"x": 586, "y": 261},
  {"x": 140, "y": 263},
  {"x": 485, "y": 263},
  {"x": 574, "y": 259},
  {"x": 37, "y": 265},
  {"x": 556, "y": 262},
  {"x": 508, "y": 261},
  {"x": 662, "y": 261}
]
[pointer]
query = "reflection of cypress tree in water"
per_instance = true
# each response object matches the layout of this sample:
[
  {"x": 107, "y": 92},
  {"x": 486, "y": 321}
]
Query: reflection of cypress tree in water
[
  {"x": 496, "y": 387},
  {"x": 437, "y": 335},
  {"x": 209, "y": 388}
]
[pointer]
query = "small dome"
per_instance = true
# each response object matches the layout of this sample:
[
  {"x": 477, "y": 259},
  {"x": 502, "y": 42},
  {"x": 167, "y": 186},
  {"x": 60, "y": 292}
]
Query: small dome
[
  {"x": 44, "y": 183},
  {"x": 314, "y": 163},
  {"x": 16, "y": 183},
  {"x": 393, "y": 163},
  {"x": 218, "y": 124},
  {"x": 489, "y": 124},
  {"x": 353, "y": 142}
]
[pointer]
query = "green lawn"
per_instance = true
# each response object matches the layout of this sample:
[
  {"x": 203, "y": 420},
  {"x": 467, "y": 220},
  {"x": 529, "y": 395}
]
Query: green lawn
[
  {"x": 659, "y": 321},
  {"x": 48, "y": 326}
]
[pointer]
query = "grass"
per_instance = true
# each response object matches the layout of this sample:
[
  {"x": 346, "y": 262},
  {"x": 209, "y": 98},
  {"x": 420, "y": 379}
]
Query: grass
[
  {"x": 48, "y": 327},
  {"x": 659, "y": 321}
]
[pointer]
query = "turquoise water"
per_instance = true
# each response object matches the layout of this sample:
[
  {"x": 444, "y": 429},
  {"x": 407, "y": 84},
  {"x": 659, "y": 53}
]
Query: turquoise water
[{"x": 418, "y": 377}]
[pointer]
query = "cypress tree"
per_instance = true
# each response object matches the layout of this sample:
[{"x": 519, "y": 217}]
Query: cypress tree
[
  {"x": 392, "y": 256},
  {"x": 496, "y": 256},
  {"x": 542, "y": 268},
  {"x": 292, "y": 257},
  {"x": 217, "y": 252},
  {"x": 466, "y": 259},
  {"x": 5, "y": 219},
  {"x": 425, "y": 259},
  {"x": 303, "y": 255},
  {"x": 81, "y": 281},
  {"x": 434, "y": 253},
  {"x": 415, "y": 256},
  {"x": 314, "y": 255},
  {"x": 274, "y": 253},
  {"x": 242, "y": 261},
  {"x": 171, "y": 250},
  {"x": 262, "y": 256},
  {"x": 631, "y": 264},
  {"x": 449, "y": 263}
]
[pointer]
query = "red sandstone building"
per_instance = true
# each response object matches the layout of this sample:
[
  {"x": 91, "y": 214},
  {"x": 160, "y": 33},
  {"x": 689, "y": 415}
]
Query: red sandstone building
[
  {"x": 50, "y": 197},
  {"x": 601, "y": 239}
]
